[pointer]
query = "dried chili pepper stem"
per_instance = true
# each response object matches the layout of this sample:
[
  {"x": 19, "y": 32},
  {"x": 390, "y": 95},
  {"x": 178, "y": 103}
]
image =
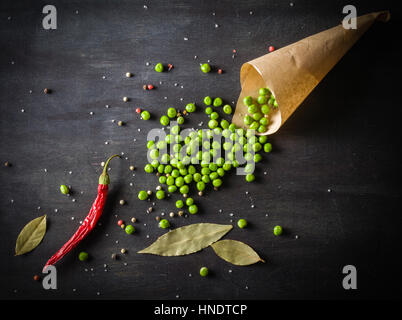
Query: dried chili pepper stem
[{"x": 91, "y": 219}]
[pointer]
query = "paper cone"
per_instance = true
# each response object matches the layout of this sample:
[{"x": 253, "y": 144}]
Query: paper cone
[{"x": 292, "y": 72}]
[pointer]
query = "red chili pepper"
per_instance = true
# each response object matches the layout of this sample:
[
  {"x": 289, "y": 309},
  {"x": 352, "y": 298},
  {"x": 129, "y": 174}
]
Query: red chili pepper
[{"x": 90, "y": 221}]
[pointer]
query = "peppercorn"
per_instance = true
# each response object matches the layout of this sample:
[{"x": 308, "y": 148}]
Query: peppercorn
[
  {"x": 128, "y": 74},
  {"x": 150, "y": 209},
  {"x": 46, "y": 90},
  {"x": 114, "y": 256},
  {"x": 184, "y": 112},
  {"x": 220, "y": 71},
  {"x": 7, "y": 164},
  {"x": 120, "y": 123},
  {"x": 36, "y": 277},
  {"x": 157, "y": 218},
  {"x": 125, "y": 99},
  {"x": 123, "y": 251},
  {"x": 149, "y": 192},
  {"x": 171, "y": 214},
  {"x": 170, "y": 66},
  {"x": 122, "y": 202},
  {"x": 138, "y": 110},
  {"x": 144, "y": 87},
  {"x": 131, "y": 168},
  {"x": 133, "y": 220},
  {"x": 122, "y": 226},
  {"x": 271, "y": 48},
  {"x": 120, "y": 222},
  {"x": 150, "y": 87},
  {"x": 200, "y": 193},
  {"x": 180, "y": 213}
]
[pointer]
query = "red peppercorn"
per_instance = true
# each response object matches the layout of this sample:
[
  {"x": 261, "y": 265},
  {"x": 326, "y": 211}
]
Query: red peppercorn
[
  {"x": 36, "y": 277},
  {"x": 220, "y": 71},
  {"x": 150, "y": 87},
  {"x": 170, "y": 66},
  {"x": 271, "y": 48},
  {"x": 138, "y": 110},
  {"x": 120, "y": 222},
  {"x": 234, "y": 51}
]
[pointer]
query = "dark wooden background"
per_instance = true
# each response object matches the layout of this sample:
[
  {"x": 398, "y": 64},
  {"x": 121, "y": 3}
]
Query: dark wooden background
[{"x": 345, "y": 137}]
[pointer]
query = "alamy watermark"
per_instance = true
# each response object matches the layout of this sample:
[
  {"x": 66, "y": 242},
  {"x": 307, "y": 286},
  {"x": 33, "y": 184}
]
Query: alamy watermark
[
  {"x": 350, "y": 280},
  {"x": 349, "y": 22}
]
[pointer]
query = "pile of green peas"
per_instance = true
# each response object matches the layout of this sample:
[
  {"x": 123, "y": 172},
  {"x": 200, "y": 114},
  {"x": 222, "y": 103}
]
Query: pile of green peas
[
  {"x": 259, "y": 109},
  {"x": 189, "y": 164}
]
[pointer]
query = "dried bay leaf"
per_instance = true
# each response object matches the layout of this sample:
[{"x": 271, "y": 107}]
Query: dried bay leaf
[
  {"x": 31, "y": 235},
  {"x": 187, "y": 239},
  {"x": 236, "y": 252}
]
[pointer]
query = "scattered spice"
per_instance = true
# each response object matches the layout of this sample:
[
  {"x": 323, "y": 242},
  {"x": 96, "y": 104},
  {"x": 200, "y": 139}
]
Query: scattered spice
[
  {"x": 133, "y": 220},
  {"x": 129, "y": 75},
  {"x": 170, "y": 66},
  {"x": 7, "y": 164},
  {"x": 220, "y": 71},
  {"x": 150, "y": 87},
  {"x": 138, "y": 110},
  {"x": 120, "y": 222},
  {"x": 114, "y": 256},
  {"x": 125, "y": 99},
  {"x": 271, "y": 48},
  {"x": 36, "y": 277},
  {"x": 123, "y": 251},
  {"x": 180, "y": 213},
  {"x": 144, "y": 87},
  {"x": 120, "y": 123},
  {"x": 131, "y": 168},
  {"x": 46, "y": 90},
  {"x": 157, "y": 218},
  {"x": 122, "y": 202}
]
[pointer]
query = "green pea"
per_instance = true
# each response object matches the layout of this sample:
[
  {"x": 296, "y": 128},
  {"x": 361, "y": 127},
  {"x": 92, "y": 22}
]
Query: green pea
[
  {"x": 149, "y": 168},
  {"x": 161, "y": 144},
  {"x": 214, "y": 115},
  {"x": 212, "y": 124},
  {"x": 190, "y": 107},
  {"x": 154, "y": 154},
  {"x": 221, "y": 172},
  {"x": 262, "y": 129},
  {"x": 171, "y": 112},
  {"x": 179, "y": 204},
  {"x": 213, "y": 167},
  {"x": 265, "y": 109},
  {"x": 83, "y": 256},
  {"x": 142, "y": 195},
  {"x": 247, "y": 120},
  {"x": 257, "y": 157},
  {"x": 220, "y": 161},
  {"x": 257, "y": 116},
  {"x": 262, "y": 139},
  {"x": 263, "y": 91},
  {"x": 164, "y": 120},
  {"x": 248, "y": 100},
  {"x": 278, "y": 230},
  {"x": 164, "y": 224},
  {"x": 200, "y": 186},
  {"x": 145, "y": 115},
  {"x": 271, "y": 100},
  {"x": 217, "y": 102},
  {"x": 170, "y": 181},
  {"x": 159, "y": 67},
  {"x": 267, "y": 147},
  {"x": 250, "y": 177},
  {"x": 204, "y": 271},
  {"x": 275, "y": 104},
  {"x": 227, "y": 166},
  {"x": 162, "y": 179},
  {"x": 150, "y": 144},
  {"x": 205, "y": 68},
  {"x": 184, "y": 189},
  {"x": 179, "y": 181},
  {"x": 213, "y": 175},
  {"x": 227, "y": 109},
  {"x": 242, "y": 223},
  {"x": 180, "y": 120},
  {"x": 188, "y": 178},
  {"x": 155, "y": 163},
  {"x": 217, "y": 182},
  {"x": 172, "y": 188},
  {"x": 224, "y": 124},
  {"x": 254, "y": 125},
  {"x": 235, "y": 163},
  {"x": 197, "y": 177},
  {"x": 257, "y": 147},
  {"x": 262, "y": 99},
  {"x": 252, "y": 109},
  {"x": 248, "y": 156},
  {"x": 232, "y": 127},
  {"x": 129, "y": 229},
  {"x": 168, "y": 168},
  {"x": 208, "y": 110},
  {"x": 207, "y": 100},
  {"x": 193, "y": 209},
  {"x": 175, "y": 173},
  {"x": 189, "y": 201},
  {"x": 64, "y": 189},
  {"x": 191, "y": 169},
  {"x": 160, "y": 194},
  {"x": 264, "y": 121}
]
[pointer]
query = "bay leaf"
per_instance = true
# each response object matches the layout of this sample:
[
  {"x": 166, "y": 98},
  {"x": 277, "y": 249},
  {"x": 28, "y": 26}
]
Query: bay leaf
[
  {"x": 236, "y": 252},
  {"x": 31, "y": 235},
  {"x": 187, "y": 239}
]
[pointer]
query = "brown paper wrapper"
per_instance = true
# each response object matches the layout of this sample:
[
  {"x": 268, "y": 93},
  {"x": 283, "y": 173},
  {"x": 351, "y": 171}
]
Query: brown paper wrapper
[{"x": 292, "y": 72}]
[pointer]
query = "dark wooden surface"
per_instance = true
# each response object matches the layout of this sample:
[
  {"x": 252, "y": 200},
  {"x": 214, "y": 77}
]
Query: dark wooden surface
[{"x": 338, "y": 139}]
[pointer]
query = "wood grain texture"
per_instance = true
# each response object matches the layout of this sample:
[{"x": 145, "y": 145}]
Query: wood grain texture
[{"x": 335, "y": 140}]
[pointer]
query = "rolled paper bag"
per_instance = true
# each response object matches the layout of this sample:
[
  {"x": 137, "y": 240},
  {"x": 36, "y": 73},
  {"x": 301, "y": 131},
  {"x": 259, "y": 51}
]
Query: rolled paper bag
[{"x": 292, "y": 72}]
